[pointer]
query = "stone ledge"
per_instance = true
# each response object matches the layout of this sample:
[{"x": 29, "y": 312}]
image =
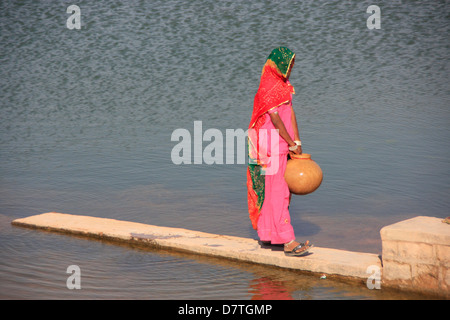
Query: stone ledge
[
  {"x": 321, "y": 260},
  {"x": 416, "y": 252}
]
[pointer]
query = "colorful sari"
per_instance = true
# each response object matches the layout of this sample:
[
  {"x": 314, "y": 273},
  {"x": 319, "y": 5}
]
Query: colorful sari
[{"x": 274, "y": 91}]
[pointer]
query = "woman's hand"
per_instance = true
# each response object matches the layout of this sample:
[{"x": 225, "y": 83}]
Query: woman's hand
[{"x": 298, "y": 150}]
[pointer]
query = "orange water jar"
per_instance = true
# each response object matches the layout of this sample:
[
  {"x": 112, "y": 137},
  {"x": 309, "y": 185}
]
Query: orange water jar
[{"x": 303, "y": 175}]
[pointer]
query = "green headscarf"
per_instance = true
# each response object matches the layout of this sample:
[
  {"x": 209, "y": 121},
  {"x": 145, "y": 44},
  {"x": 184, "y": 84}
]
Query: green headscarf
[{"x": 282, "y": 57}]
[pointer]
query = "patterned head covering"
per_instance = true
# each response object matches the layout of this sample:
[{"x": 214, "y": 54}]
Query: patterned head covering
[
  {"x": 274, "y": 89},
  {"x": 282, "y": 57}
]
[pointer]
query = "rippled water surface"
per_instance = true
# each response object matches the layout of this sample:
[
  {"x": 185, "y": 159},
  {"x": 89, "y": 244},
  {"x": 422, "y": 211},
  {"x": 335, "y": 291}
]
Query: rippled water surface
[{"x": 86, "y": 118}]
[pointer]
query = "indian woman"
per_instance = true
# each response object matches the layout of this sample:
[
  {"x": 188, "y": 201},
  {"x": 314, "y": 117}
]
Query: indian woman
[{"x": 273, "y": 135}]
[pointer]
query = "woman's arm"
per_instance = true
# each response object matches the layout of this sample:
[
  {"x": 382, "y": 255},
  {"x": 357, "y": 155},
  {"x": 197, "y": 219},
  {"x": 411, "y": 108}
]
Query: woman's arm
[
  {"x": 278, "y": 124},
  {"x": 295, "y": 127}
]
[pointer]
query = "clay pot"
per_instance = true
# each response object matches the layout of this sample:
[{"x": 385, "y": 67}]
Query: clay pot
[{"x": 302, "y": 174}]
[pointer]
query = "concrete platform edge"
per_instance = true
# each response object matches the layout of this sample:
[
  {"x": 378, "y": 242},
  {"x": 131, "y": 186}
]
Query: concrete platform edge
[{"x": 321, "y": 260}]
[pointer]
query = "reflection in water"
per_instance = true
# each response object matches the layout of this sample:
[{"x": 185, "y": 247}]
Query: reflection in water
[{"x": 267, "y": 289}]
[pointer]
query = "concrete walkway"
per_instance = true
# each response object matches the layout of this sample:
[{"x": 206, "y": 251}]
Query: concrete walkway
[{"x": 320, "y": 260}]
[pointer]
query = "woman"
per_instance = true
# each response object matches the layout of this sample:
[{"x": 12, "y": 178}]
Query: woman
[{"x": 268, "y": 193}]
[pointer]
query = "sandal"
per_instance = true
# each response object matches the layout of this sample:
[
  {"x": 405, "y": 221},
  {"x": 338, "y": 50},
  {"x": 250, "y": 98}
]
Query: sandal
[{"x": 303, "y": 247}]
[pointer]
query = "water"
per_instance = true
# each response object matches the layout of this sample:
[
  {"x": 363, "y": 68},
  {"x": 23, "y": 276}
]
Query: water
[{"x": 86, "y": 118}]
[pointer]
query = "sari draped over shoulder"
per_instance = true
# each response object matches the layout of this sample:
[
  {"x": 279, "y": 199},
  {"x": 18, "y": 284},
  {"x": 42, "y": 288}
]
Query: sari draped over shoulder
[{"x": 274, "y": 90}]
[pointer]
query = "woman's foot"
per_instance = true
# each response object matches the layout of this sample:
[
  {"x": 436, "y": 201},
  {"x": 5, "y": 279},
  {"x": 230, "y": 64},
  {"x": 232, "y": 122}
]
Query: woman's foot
[{"x": 294, "y": 248}]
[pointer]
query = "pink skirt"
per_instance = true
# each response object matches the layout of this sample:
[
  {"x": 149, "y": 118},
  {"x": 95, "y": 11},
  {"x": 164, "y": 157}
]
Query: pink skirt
[{"x": 274, "y": 223}]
